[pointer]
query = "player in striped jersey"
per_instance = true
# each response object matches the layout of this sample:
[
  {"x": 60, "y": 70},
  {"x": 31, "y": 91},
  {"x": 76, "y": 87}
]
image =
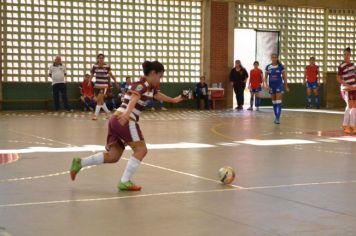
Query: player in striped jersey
[
  {"x": 346, "y": 76},
  {"x": 102, "y": 73},
  {"x": 124, "y": 129},
  {"x": 311, "y": 81}
]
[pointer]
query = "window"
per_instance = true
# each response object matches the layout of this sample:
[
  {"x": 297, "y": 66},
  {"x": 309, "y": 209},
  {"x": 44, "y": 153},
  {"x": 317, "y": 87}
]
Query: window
[
  {"x": 127, "y": 32},
  {"x": 301, "y": 33},
  {"x": 340, "y": 35}
]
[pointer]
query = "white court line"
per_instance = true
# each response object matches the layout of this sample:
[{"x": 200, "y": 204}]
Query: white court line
[
  {"x": 39, "y": 137},
  {"x": 309, "y": 111},
  {"x": 234, "y": 187},
  {"x": 95, "y": 148},
  {"x": 40, "y": 176},
  {"x": 275, "y": 142},
  {"x": 299, "y": 185},
  {"x": 315, "y": 111},
  {"x": 345, "y": 138},
  {"x": 113, "y": 198},
  {"x": 184, "y": 173},
  {"x": 171, "y": 193}
]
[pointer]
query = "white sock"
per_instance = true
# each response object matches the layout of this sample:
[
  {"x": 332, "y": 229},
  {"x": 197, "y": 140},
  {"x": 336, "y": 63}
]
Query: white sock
[
  {"x": 95, "y": 159},
  {"x": 105, "y": 108},
  {"x": 97, "y": 110},
  {"x": 131, "y": 168},
  {"x": 346, "y": 117},
  {"x": 353, "y": 117}
]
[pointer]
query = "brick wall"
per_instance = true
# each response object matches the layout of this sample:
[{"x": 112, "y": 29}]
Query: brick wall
[{"x": 219, "y": 66}]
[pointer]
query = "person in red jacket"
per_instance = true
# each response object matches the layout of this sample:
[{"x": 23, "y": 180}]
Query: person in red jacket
[
  {"x": 87, "y": 94},
  {"x": 311, "y": 81},
  {"x": 255, "y": 85}
]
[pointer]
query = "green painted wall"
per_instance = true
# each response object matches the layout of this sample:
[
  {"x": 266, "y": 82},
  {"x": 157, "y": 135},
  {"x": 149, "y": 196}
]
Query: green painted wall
[{"x": 42, "y": 91}]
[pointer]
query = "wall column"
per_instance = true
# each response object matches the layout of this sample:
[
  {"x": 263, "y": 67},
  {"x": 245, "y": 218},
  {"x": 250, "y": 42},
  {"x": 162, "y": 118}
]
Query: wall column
[{"x": 219, "y": 48}]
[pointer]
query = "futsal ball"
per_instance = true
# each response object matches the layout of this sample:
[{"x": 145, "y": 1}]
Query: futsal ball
[
  {"x": 226, "y": 174},
  {"x": 187, "y": 94}
]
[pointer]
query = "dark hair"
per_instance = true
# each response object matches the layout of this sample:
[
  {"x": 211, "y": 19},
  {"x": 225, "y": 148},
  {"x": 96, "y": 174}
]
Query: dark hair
[
  {"x": 128, "y": 77},
  {"x": 256, "y": 63},
  {"x": 97, "y": 57},
  {"x": 312, "y": 58},
  {"x": 86, "y": 75},
  {"x": 239, "y": 62},
  {"x": 278, "y": 62},
  {"x": 149, "y": 66},
  {"x": 348, "y": 49}
]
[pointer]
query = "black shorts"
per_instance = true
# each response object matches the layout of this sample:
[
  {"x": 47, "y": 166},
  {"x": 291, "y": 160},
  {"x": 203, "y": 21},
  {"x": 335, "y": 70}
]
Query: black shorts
[{"x": 98, "y": 91}]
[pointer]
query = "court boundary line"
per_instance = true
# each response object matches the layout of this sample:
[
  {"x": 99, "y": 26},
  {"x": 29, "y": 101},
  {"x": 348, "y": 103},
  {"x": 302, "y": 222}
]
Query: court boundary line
[
  {"x": 172, "y": 193},
  {"x": 234, "y": 187},
  {"x": 41, "y": 176}
]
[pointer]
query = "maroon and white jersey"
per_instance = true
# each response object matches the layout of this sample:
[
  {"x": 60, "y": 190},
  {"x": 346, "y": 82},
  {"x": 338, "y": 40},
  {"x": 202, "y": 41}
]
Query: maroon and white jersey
[
  {"x": 145, "y": 91},
  {"x": 101, "y": 74},
  {"x": 347, "y": 73}
]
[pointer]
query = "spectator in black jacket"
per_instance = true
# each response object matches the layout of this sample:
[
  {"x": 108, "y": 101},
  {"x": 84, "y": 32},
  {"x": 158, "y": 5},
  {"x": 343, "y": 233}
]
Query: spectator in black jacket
[
  {"x": 238, "y": 78},
  {"x": 201, "y": 92}
]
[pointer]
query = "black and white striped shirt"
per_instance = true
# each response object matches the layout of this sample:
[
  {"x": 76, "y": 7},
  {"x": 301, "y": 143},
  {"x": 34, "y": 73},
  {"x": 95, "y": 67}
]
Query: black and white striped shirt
[{"x": 101, "y": 74}]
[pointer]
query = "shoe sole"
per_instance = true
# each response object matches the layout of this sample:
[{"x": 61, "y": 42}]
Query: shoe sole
[
  {"x": 130, "y": 190},
  {"x": 73, "y": 174}
]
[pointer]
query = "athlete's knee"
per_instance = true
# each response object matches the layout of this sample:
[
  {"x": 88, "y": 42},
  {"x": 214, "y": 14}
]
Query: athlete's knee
[
  {"x": 140, "y": 152},
  {"x": 111, "y": 157}
]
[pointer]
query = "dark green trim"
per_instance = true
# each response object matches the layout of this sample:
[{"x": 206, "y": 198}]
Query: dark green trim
[{"x": 41, "y": 93}]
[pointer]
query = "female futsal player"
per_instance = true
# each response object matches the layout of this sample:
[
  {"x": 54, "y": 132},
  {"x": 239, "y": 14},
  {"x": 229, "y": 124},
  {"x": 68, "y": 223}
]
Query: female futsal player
[
  {"x": 102, "y": 73},
  {"x": 311, "y": 80},
  {"x": 346, "y": 76},
  {"x": 123, "y": 127},
  {"x": 277, "y": 82},
  {"x": 254, "y": 85}
]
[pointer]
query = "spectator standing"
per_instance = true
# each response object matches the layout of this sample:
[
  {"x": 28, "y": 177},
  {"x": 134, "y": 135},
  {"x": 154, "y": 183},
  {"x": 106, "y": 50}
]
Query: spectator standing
[
  {"x": 238, "y": 78},
  {"x": 57, "y": 72}
]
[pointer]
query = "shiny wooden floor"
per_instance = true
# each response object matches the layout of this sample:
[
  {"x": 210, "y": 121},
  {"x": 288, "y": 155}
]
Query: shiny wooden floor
[{"x": 297, "y": 178}]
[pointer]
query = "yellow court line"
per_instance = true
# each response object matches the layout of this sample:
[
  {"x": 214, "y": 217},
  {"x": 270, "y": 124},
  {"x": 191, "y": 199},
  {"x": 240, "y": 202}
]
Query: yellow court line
[{"x": 213, "y": 130}]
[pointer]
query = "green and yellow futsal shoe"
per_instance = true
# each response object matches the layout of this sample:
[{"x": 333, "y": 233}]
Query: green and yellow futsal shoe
[{"x": 75, "y": 168}]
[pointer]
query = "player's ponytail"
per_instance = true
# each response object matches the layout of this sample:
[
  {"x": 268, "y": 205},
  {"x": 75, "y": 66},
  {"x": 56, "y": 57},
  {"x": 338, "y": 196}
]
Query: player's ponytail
[{"x": 149, "y": 66}]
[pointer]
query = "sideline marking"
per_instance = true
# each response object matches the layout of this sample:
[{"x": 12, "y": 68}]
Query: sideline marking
[
  {"x": 96, "y": 148},
  {"x": 40, "y": 176},
  {"x": 172, "y": 193}
]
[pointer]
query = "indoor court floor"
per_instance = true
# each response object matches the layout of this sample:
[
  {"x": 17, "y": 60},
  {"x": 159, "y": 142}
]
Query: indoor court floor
[{"x": 296, "y": 178}]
